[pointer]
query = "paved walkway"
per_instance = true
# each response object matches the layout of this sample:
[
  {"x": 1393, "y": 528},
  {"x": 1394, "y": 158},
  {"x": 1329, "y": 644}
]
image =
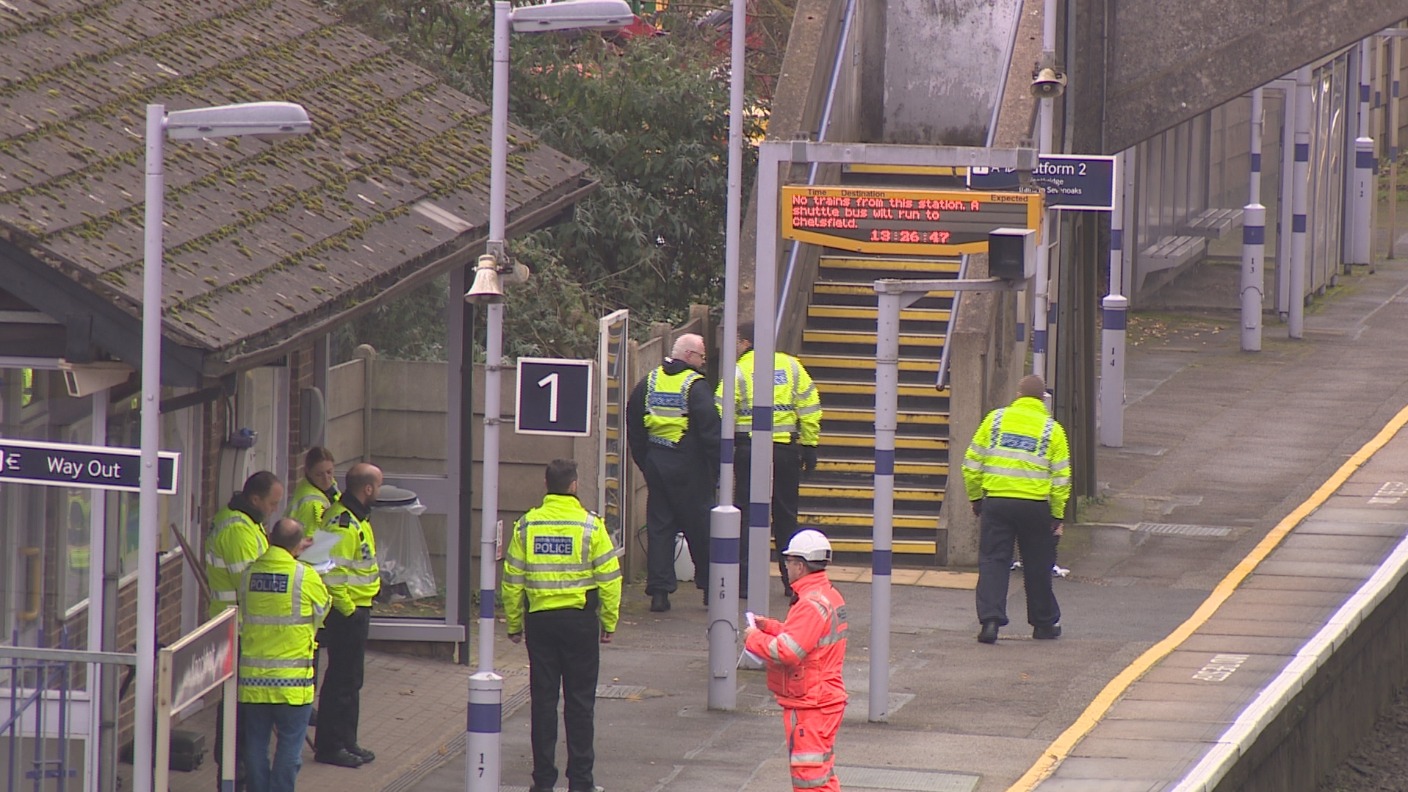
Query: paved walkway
[{"x": 1220, "y": 446}]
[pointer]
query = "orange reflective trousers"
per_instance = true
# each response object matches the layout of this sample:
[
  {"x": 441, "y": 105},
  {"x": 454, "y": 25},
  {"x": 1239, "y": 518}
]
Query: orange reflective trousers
[{"x": 811, "y": 740}]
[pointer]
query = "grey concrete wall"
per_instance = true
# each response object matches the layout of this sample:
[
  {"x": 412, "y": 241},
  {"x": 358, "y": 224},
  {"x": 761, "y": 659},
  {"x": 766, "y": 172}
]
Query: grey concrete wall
[
  {"x": 1167, "y": 62},
  {"x": 945, "y": 62}
]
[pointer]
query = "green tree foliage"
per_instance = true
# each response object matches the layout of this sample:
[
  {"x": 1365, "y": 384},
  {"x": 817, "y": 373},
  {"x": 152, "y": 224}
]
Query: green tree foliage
[{"x": 648, "y": 114}]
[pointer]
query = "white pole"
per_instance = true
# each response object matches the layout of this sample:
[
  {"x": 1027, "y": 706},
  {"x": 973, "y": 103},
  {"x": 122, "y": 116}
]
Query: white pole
[
  {"x": 1395, "y": 65},
  {"x": 764, "y": 318},
  {"x": 887, "y": 373},
  {"x": 1046, "y": 110},
  {"x": 1115, "y": 309},
  {"x": 1253, "y": 237},
  {"x": 97, "y": 606},
  {"x": 724, "y": 521},
  {"x": 142, "y": 763},
  {"x": 485, "y": 722},
  {"x": 1300, "y": 189}
]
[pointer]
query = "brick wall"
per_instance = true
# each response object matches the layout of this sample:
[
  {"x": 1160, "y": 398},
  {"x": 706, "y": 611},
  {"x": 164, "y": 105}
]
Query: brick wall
[{"x": 301, "y": 375}]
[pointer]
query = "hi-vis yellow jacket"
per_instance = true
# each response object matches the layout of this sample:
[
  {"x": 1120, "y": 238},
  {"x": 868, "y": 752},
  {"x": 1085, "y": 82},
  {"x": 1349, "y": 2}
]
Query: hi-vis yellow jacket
[
  {"x": 235, "y": 541},
  {"x": 355, "y": 577},
  {"x": 1020, "y": 452},
  {"x": 796, "y": 405},
  {"x": 282, "y": 605},
  {"x": 558, "y": 552},
  {"x": 309, "y": 505},
  {"x": 667, "y": 404}
]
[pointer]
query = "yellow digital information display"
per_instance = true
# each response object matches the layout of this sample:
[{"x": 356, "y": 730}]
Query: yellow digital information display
[{"x": 915, "y": 222}]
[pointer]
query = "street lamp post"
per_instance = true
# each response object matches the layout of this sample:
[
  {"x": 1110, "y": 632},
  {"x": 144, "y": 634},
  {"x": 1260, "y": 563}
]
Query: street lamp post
[
  {"x": 482, "y": 741},
  {"x": 255, "y": 118}
]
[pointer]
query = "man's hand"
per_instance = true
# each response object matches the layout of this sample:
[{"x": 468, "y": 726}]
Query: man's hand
[
  {"x": 747, "y": 631},
  {"x": 808, "y": 459},
  {"x": 606, "y": 636},
  {"x": 516, "y": 637},
  {"x": 977, "y": 507},
  {"x": 1057, "y": 528}
]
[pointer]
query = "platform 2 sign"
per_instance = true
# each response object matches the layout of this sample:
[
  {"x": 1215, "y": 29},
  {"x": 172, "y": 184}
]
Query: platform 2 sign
[
  {"x": 84, "y": 466},
  {"x": 1081, "y": 182},
  {"x": 915, "y": 222}
]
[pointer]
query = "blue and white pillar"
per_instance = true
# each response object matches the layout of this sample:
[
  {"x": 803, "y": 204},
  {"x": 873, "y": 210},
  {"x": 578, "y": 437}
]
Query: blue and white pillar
[
  {"x": 723, "y": 607},
  {"x": 887, "y": 371},
  {"x": 1115, "y": 309},
  {"x": 1362, "y": 199},
  {"x": 1253, "y": 238},
  {"x": 485, "y": 719},
  {"x": 1300, "y": 193}
]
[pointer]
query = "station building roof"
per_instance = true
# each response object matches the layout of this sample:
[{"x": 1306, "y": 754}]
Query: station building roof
[{"x": 266, "y": 242}]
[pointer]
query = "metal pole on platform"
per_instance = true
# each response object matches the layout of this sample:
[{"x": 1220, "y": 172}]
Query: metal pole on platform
[
  {"x": 1115, "y": 308},
  {"x": 1253, "y": 283},
  {"x": 724, "y": 519},
  {"x": 1300, "y": 192},
  {"x": 887, "y": 377}
]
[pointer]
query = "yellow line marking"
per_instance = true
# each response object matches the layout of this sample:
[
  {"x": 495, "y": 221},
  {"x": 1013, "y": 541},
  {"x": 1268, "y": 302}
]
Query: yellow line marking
[{"x": 1057, "y": 751}]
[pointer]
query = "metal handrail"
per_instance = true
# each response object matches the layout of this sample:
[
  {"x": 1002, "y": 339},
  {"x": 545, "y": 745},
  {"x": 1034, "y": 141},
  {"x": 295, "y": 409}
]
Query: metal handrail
[{"x": 940, "y": 381}]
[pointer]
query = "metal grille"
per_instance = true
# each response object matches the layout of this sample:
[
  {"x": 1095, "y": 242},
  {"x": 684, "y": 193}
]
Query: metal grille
[
  {"x": 895, "y": 780},
  {"x": 619, "y": 691},
  {"x": 1174, "y": 529}
]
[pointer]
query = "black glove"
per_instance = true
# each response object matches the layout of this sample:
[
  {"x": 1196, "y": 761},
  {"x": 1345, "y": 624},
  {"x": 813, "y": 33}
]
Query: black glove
[
  {"x": 977, "y": 507},
  {"x": 808, "y": 459}
]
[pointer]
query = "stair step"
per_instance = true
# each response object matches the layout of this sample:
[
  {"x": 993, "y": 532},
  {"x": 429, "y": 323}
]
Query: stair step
[
  {"x": 867, "y": 492},
  {"x": 907, "y": 417},
  {"x": 866, "y": 520},
  {"x": 867, "y": 339},
  {"x": 868, "y": 441},
  {"x": 838, "y": 387},
  {"x": 915, "y": 547},
  {"x": 908, "y": 266},
  {"x": 867, "y": 467},
  {"x": 872, "y": 313},
  {"x": 867, "y": 364},
  {"x": 856, "y": 289}
]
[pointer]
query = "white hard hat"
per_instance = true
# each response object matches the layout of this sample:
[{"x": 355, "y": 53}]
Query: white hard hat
[{"x": 809, "y": 545}]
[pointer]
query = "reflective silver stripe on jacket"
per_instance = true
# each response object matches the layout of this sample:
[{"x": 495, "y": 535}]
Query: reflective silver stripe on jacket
[
  {"x": 276, "y": 681},
  {"x": 258, "y": 662}
]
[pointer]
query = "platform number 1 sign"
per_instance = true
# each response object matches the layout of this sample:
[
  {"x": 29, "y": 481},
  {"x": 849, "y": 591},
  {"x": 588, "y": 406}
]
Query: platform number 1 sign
[{"x": 554, "y": 397}]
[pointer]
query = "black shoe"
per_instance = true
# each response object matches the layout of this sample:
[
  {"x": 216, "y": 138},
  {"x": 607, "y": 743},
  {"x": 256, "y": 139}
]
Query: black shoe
[
  {"x": 358, "y": 751},
  {"x": 1046, "y": 633},
  {"x": 342, "y": 758},
  {"x": 705, "y": 596},
  {"x": 988, "y": 634},
  {"x": 659, "y": 603}
]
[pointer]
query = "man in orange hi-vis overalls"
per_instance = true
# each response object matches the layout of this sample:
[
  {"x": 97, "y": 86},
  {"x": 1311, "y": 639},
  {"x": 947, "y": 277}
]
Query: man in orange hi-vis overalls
[{"x": 804, "y": 656}]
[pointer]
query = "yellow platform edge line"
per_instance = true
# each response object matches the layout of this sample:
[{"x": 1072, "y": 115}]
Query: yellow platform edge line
[{"x": 1058, "y": 750}]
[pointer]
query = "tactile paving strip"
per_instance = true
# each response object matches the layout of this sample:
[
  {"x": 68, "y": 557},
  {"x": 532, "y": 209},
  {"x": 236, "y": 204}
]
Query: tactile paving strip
[{"x": 1174, "y": 529}]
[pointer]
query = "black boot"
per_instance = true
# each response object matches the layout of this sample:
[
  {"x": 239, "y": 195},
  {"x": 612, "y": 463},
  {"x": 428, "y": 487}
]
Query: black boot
[{"x": 660, "y": 602}]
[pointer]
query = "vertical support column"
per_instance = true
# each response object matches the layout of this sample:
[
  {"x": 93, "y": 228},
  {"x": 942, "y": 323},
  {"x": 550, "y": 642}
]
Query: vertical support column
[
  {"x": 1253, "y": 274},
  {"x": 1300, "y": 193},
  {"x": 1395, "y": 65},
  {"x": 161, "y": 754},
  {"x": 723, "y": 607},
  {"x": 1362, "y": 197},
  {"x": 724, "y": 519},
  {"x": 230, "y": 691},
  {"x": 887, "y": 371},
  {"x": 99, "y": 609},
  {"x": 1040, "y": 300},
  {"x": 764, "y": 322},
  {"x": 485, "y": 716},
  {"x": 1253, "y": 237},
  {"x": 1114, "y": 313},
  {"x": 1284, "y": 203}
]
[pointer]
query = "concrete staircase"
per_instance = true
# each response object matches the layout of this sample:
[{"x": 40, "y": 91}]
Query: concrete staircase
[{"x": 838, "y": 349}]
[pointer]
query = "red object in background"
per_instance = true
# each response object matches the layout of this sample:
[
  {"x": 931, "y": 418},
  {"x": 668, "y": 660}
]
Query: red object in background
[{"x": 638, "y": 27}]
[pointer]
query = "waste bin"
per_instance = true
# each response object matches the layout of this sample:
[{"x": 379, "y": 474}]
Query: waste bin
[{"x": 401, "y": 551}]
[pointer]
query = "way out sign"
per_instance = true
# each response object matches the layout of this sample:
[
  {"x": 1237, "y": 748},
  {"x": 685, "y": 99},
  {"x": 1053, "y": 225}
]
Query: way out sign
[
  {"x": 91, "y": 467},
  {"x": 554, "y": 397}
]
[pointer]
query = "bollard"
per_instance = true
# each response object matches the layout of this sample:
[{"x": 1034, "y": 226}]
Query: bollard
[
  {"x": 1362, "y": 198},
  {"x": 723, "y": 608},
  {"x": 1115, "y": 311},
  {"x": 486, "y": 705},
  {"x": 1253, "y": 274}
]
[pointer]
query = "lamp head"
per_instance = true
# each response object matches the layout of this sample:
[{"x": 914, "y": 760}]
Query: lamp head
[
  {"x": 486, "y": 289},
  {"x": 572, "y": 15},
  {"x": 271, "y": 119}
]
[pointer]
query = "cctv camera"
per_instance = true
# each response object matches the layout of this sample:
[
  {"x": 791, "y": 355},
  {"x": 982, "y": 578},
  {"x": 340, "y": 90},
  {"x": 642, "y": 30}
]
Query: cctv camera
[
  {"x": 1047, "y": 83},
  {"x": 83, "y": 379}
]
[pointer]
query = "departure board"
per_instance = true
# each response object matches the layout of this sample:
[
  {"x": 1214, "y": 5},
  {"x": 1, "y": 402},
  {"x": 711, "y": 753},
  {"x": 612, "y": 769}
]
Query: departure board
[{"x": 918, "y": 222}]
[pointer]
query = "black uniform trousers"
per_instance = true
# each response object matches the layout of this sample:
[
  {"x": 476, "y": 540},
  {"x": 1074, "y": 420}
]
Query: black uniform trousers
[
  {"x": 786, "y": 479},
  {"x": 564, "y": 654},
  {"x": 340, "y": 695},
  {"x": 1028, "y": 522},
  {"x": 680, "y": 493}
]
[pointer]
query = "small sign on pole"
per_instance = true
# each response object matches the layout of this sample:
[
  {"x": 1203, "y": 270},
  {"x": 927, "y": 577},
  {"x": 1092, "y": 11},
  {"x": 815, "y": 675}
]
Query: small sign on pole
[{"x": 554, "y": 397}]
